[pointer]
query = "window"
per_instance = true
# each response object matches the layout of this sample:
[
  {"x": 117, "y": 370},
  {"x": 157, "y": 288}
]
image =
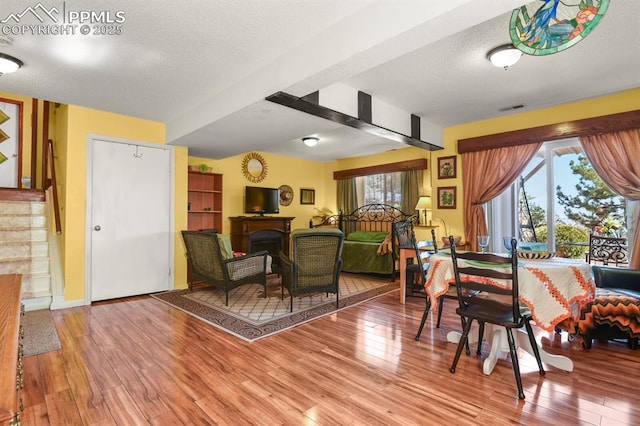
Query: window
[
  {"x": 565, "y": 202},
  {"x": 384, "y": 188}
]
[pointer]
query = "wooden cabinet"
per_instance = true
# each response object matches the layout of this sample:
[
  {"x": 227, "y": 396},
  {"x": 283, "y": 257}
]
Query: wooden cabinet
[
  {"x": 205, "y": 201},
  {"x": 11, "y": 380},
  {"x": 242, "y": 226}
]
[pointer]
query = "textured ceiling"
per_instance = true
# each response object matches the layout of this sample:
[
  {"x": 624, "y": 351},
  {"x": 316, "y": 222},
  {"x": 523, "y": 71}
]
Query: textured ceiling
[{"x": 205, "y": 69}]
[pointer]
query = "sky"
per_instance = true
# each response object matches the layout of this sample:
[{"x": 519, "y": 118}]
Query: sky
[{"x": 536, "y": 186}]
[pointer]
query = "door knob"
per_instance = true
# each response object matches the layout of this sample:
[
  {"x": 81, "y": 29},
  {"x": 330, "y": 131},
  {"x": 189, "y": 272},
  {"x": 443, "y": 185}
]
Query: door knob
[{"x": 97, "y": 227}]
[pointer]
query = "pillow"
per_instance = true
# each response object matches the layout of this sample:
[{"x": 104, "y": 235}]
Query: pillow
[
  {"x": 368, "y": 236},
  {"x": 224, "y": 241}
]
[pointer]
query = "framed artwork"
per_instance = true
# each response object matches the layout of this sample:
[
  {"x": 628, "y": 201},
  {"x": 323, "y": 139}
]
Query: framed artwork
[
  {"x": 307, "y": 196},
  {"x": 10, "y": 143},
  {"x": 446, "y": 197},
  {"x": 447, "y": 167}
]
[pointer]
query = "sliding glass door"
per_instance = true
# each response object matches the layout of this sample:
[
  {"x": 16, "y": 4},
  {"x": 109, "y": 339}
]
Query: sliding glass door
[{"x": 560, "y": 200}]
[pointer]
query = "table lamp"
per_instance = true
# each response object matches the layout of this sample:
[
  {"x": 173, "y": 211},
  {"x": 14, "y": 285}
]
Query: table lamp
[{"x": 423, "y": 206}]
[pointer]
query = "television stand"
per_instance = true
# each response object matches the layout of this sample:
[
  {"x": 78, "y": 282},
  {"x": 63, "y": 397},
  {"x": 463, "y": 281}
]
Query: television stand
[{"x": 242, "y": 226}]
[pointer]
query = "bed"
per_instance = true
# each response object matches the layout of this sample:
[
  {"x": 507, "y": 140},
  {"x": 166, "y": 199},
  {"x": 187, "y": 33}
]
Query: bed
[{"x": 369, "y": 245}]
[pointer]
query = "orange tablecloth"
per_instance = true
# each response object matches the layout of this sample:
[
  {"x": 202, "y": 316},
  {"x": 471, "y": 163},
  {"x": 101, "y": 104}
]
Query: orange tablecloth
[{"x": 554, "y": 289}]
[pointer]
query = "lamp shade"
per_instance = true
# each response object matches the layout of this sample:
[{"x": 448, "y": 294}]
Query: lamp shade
[
  {"x": 9, "y": 64},
  {"x": 504, "y": 56},
  {"x": 424, "y": 203}
]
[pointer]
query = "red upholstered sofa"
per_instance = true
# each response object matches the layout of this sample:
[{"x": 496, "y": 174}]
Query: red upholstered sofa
[{"x": 615, "y": 311}]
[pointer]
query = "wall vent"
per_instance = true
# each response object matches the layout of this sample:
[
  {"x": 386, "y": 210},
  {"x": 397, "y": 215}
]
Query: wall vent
[{"x": 510, "y": 108}]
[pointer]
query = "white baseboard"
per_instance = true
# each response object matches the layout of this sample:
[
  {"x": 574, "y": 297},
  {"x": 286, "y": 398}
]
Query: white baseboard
[
  {"x": 36, "y": 303},
  {"x": 59, "y": 303}
]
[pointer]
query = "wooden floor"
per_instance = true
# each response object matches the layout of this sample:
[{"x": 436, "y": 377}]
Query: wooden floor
[{"x": 139, "y": 361}]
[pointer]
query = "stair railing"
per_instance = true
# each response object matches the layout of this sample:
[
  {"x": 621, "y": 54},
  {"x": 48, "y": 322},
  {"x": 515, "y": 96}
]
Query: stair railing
[{"x": 54, "y": 185}]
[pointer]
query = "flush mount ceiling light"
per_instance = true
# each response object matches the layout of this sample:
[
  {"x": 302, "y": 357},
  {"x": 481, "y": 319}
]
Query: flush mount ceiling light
[
  {"x": 311, "y": 141},
  {"x": 9, "y": 64},
  {"x": 504, "y": 56}
]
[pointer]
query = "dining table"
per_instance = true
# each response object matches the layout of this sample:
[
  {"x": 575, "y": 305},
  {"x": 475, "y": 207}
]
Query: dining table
[{"x": 554, "y": 289}]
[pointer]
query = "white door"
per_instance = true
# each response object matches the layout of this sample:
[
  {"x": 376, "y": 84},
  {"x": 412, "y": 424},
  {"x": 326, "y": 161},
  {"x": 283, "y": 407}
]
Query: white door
[
  {"x": 9, "y": 144},
  {"x": 129, "y": 219}
]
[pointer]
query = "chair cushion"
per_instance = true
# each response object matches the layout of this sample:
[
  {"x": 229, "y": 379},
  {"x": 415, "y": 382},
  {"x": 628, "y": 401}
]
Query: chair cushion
[{"x": 224, "y": 241}]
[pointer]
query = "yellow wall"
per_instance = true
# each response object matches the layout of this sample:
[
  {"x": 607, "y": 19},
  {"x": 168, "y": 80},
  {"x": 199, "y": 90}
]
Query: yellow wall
[
  {"x": 281, "y": 170},
  {"x": 286, "y": 170},
  {"x": 620, "y": 102},
  {"x": 59, "y": 117},
  {"x": 75, "y": 125}
]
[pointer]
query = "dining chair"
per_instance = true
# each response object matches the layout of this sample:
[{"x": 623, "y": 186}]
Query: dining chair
[
  {"x": 405, "y": 234},
  {"x": 426, "y": 248},
  {"x": 450, "y": 294},
  {"x": 487, "y": 291}
]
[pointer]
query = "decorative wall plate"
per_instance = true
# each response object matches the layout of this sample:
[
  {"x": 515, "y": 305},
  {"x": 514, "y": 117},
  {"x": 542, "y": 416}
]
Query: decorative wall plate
[
  {"x": 254, "y": 168},
  {"x": 545, "y": 27},
  {"x": 286, "y": 195}
]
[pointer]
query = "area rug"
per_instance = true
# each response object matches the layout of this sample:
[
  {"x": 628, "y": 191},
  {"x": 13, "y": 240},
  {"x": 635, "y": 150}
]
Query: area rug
[
  {"x": 40, "y": 333},
  {"x": 250, "y": 316}
]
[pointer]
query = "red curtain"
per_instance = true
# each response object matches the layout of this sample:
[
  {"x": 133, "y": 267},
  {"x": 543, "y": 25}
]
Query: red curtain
[
  {"x": 614, "y": 157},
  {"x": 486, "y": 174}
]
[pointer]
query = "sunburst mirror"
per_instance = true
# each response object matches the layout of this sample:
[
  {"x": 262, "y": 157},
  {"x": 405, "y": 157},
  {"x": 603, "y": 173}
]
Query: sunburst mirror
[{"x": 254, "y": 168}]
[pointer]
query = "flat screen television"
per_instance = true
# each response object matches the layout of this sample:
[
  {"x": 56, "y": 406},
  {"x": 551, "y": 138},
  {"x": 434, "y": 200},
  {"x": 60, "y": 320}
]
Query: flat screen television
[{"x": 261, "y": 201}]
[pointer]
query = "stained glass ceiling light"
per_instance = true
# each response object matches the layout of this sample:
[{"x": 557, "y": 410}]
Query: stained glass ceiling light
[
  {"x": 504, "y": 56},
  {"x": 9, "y": 64},
  {"x": 548, "y": 27}
]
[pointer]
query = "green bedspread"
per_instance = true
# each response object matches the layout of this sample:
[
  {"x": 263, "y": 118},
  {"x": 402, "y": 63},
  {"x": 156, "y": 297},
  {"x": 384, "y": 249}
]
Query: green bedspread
[{"x": 361, "y": 257}]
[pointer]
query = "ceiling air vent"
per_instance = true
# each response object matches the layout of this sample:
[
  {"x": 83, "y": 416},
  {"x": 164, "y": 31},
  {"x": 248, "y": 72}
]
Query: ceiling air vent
[{"x": 510, "y": 108}]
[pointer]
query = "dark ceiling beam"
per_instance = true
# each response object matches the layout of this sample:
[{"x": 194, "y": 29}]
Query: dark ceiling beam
[{"x": 301, "y": 104}]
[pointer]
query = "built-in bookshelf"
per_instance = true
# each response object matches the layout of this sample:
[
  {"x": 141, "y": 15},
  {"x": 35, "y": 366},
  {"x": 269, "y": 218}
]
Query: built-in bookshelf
[{"x": 205, "y": 201}]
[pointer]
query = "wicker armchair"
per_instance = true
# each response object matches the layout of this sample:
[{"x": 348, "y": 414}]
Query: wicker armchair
[
  {"x": 314, "y": 263},
  {"x": 208, "y": 264}
]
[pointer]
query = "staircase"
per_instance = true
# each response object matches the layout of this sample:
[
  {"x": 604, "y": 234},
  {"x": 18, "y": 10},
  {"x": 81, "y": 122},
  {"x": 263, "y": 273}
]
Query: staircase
[{"x": 24, "y": 249}]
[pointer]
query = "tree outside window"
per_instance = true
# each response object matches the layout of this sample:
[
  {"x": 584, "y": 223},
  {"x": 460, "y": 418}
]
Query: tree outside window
[
  {"x": 595, "y": 206},
  {"x": 584, "y": 204},
  {"x": 384, "y": 188}
]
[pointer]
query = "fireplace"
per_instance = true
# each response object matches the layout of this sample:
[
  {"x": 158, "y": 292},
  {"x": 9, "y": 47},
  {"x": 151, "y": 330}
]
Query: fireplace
[{"x": 271, "y": 240}]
